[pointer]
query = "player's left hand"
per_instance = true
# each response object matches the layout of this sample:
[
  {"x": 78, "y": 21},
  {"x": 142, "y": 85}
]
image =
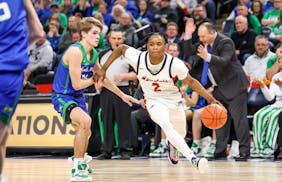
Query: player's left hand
[{"x": 129, "y": 100}]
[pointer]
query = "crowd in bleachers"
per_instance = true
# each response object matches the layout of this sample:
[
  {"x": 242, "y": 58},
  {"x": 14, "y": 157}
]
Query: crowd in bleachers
[{"x": 255, "y": 26}]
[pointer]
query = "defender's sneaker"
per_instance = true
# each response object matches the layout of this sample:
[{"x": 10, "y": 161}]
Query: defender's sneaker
[
  {"x": 159, "y": 152},
  {"x": 196, "y": 149},
  {"x": 87, "y": 159},
  {"x": 200, "y": 164},
  {"x": 81, "y": 173},
  {"x": 172, "y": 153}
]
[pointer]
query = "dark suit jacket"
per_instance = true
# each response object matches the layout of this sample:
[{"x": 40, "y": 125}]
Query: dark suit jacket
[{"x": 225, "y": 68}]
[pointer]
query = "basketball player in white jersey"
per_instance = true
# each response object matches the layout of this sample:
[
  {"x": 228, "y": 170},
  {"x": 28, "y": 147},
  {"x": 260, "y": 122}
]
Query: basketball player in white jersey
[{"x": 158, "y": 73}]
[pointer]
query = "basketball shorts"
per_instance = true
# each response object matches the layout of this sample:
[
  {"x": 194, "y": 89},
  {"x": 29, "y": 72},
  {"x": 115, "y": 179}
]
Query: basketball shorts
[
  {"x": 63, "y": 104},
  {"x": 10, "y": 90}
]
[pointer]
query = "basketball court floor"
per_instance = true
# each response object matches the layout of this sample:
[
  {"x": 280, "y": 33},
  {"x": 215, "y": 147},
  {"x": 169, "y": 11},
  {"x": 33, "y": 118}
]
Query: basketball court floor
[{"x": 48, "y": 169}]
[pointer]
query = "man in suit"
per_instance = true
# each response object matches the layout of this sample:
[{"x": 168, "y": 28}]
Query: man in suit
[{"x": 229, "y": 82}]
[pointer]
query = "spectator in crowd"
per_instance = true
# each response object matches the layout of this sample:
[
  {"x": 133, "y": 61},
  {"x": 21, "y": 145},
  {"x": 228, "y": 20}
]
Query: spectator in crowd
[
  {"x": 199, "y": 16},
  {"x": 107, "y": 16},
  {"x": 185, "y": 5},
  {"x": 128, "y": 30},
  {"x": 113, "y": 108},
  {"x": 268, "y": 5},
  {"x": 257, "y": 9},
  {"x": 67, "y": 8},
  {"x": 94, "y": 7},
  {"x": 53, "y": 36},
  {"x": 272, "y": 64},
  {"x": 63, "y": 18},
  {"x": 265, "y": 123},
  {"x": 41, "y": 58},
  {"x": 243, "y": 39},
  {"x": 229, "y": 81},
  {"x": 271, "y": 17},
  {"x": 44, "y": 11},
  {"x": 234, "y": 13},
  {"x": 172, "y": 32},
  {"x": 255, "y": 68},
  {"x": 253, "y": 22},
  {"x": 70, "y": 36},
  {"x": 144, "y": 16},
  {"x": 163, "y": 15},
  {"x": 116, "y": 13},
  {"x": 129, "y": 6},
  {"x": 276, "y": 32},
  {"x": 211, "y": 9},
  {"x": 82, "y": 7}
]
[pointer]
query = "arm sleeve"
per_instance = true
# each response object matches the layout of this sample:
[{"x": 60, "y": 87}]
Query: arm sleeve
[{"x": 179, "y": 69}]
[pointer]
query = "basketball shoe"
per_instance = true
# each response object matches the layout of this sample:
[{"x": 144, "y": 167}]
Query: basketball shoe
[
  {"x": 196, "y": 149},
  {"x": 200, "y": 164},
  {"x": 160, "y": 151},
  {"x": 172, "y": 153},
  {"x": 87, "y": 159},
  {"x": 81, "y": 173},
  {"x": 210, "y": 150}
]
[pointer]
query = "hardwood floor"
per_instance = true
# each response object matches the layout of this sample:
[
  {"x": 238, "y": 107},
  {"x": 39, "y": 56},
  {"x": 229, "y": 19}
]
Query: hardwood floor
[{"x": 141, "y": 170}]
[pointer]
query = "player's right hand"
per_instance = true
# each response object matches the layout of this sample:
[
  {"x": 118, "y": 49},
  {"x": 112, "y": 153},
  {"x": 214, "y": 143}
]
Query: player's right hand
[{"x": 99, "y": 74}]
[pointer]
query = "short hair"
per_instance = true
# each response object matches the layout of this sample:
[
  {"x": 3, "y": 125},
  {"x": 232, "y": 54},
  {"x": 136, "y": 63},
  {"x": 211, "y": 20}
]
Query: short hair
[
  {"x": 172, "y": 24},
  {"x": 261, "y": 37},
  {"x": 87, "y": 23},
  {"x": 209, "y": 26},
  {"x": 156, "y": 33},
  {"x": 173, "y": 44},
  {"x": 242, "y": 18}
]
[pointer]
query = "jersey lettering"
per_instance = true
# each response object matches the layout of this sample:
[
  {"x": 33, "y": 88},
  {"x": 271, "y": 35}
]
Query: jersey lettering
[
  {"x": 5, "y": 12},
  {"x": 156, "y": 87}
]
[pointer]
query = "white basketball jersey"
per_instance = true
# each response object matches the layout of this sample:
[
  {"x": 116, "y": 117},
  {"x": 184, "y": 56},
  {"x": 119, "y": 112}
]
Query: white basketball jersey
[{"x": 157, "y": 81}]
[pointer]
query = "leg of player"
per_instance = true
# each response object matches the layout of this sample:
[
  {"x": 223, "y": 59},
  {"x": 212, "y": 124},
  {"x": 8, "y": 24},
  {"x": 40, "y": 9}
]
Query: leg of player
[
  {"x": 4, "y": 132},
  {"x": 81, "y": 122},
  {"x": 160, "y": 114}
]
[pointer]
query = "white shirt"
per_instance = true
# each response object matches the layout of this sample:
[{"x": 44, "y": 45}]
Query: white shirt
[
  {"x": 255, "y": 66},
  {"x": 155, "y": 80}
]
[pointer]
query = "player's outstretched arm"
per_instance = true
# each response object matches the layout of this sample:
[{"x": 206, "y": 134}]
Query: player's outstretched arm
[
  {"x": 126, "y": 98},
  {"x": 115, "y": 54},
  {"x": 35, "y": 29}
]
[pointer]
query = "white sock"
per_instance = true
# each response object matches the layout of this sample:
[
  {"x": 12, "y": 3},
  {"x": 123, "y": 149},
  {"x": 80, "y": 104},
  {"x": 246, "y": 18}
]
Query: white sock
[
  {"x": 77, "y": 161},
  {"x": 197, "y": 142}
]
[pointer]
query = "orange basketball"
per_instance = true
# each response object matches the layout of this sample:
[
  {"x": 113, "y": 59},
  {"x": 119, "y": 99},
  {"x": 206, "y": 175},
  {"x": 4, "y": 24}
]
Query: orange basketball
[{"x": 214, "y": 116}]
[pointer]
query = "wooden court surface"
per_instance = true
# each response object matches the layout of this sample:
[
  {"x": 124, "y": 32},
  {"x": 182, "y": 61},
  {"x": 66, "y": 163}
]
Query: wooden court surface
[{"x": 140, "y": 170}]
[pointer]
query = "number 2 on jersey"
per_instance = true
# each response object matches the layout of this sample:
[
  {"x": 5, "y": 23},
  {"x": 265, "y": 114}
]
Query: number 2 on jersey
[{"x": 156, "y": 87}]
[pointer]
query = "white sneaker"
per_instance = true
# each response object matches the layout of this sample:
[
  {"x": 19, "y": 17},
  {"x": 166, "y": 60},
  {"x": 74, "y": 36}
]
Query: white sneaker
[
  {"x": 200, "y": 164},
  {"x": 160, "y": 151},
  {"x": 87, "y": 159},
  {"x": 81, "y": 173},
  {"x": 234, "y": 149}
]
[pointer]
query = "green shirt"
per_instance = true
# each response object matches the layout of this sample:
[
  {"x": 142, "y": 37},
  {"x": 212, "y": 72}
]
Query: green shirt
[{"x": 271, "y": 61}]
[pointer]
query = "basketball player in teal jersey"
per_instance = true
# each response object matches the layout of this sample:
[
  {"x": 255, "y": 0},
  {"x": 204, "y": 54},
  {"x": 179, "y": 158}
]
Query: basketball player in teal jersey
[
  {"x": 19, "y": 26},
  {"x": 73, "y": 76}
]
